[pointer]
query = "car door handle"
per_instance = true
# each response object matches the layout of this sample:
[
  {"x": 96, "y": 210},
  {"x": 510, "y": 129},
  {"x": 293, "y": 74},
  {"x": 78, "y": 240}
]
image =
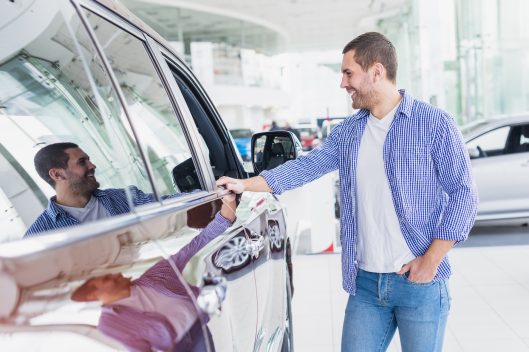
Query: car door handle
[
  {"x": 212, "y": 294},
  {"x": 525, "y": 164},
  {"x": 255, "y": 245}
]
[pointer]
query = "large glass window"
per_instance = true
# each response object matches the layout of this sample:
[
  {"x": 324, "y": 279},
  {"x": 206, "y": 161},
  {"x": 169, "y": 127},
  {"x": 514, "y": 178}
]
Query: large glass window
[
  {"x": 47, "y": 95},
  {"x": 153, "y": 117}
]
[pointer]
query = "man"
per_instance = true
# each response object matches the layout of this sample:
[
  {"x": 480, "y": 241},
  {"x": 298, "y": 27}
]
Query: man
[
  {"x": 68, "y": 169},
  {"x": 155, "y": 311},
  {"x": 407, "y": 197}
]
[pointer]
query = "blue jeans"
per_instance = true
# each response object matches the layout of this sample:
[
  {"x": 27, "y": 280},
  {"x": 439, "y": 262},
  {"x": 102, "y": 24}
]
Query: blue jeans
[{"x": 384, "y": 302}]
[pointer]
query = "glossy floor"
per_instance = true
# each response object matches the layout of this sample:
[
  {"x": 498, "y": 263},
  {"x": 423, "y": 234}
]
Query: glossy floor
[{"x": 490, "y": 291}]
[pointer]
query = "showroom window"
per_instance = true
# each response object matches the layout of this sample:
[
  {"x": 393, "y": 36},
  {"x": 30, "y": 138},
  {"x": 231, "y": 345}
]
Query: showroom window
[
  {"x": 153, "y": 118},
  {"x": 47, "y": 95}
]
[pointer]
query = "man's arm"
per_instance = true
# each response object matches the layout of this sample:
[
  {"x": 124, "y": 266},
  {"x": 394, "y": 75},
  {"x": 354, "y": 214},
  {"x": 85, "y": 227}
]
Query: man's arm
[
  {"x": 454, "y": 172},
  {"x": 294, "y": 173},
  {"x": 455, "y": 176},
  {"x": 253, "y": 184},
  {"x": 424, "y": 268}
]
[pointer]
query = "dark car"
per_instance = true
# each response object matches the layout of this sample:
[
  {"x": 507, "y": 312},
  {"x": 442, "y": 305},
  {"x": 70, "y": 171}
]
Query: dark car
[
  {"x": 89, "y": 72},
  {"x": 243, "y": 138}
]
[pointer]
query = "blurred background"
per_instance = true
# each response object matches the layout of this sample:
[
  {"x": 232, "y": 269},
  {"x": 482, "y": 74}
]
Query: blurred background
[
  {"x": 276, "y": 64},
  {"x": 263, "y": 61}
]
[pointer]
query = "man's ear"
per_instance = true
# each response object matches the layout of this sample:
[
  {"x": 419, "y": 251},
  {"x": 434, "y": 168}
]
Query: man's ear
[
  {"x": 379, "y": 71},
  {"x": 56, "y": 174}
]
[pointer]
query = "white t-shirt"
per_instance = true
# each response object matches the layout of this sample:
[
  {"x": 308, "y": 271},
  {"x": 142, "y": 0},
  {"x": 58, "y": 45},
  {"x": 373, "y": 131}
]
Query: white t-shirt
[
  {"x": 381, "y": 244},
  {"x": 93, "y": 210}
]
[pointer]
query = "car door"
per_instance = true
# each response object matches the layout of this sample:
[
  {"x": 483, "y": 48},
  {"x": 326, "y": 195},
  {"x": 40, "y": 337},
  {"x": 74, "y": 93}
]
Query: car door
[
  {"x": 47, "y": 279},
  {"x": 231, "y": 259},
  {"x": 501, "y": 172},
  {"x": 271, "y": 274}
]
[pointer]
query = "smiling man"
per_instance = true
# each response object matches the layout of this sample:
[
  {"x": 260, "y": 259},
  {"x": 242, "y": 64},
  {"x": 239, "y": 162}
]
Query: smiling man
[
  {"x": 68, "y": 169},
  {"x": 407, "y": 197}
]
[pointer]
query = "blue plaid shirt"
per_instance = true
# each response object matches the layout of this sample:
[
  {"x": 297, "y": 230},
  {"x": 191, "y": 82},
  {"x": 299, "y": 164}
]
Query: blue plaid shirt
[
  {"x": 114, "y": 200},
  {"x": 429, "y": 174}
]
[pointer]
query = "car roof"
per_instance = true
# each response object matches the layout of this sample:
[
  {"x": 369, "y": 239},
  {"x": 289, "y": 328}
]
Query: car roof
[
  {"x": 479, "y": 127},
  {"x": 120, "y": 10}
]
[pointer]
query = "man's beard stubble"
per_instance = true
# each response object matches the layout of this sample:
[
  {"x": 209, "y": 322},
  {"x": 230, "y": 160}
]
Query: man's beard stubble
[{"x": 84, "y": 185}]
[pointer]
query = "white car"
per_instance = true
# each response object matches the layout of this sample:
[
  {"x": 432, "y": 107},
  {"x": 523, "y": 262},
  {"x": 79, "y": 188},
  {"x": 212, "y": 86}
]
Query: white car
[
  {"x": 89, "y": 72},
  {"x": 499, "y": 151}
]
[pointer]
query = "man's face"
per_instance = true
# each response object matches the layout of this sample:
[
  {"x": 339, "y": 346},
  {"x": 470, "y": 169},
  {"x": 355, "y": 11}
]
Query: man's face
[
  {"x": 107, "y": 286},
  {"x": 80, "y": 172},
  {"x": 358, "y": 83}
]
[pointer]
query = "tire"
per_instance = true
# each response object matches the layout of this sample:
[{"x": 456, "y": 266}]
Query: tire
[
  {"x": 233, "y": 255},
  {"x": 276, "y": 238},
  {"x": 288, "y": 335}
]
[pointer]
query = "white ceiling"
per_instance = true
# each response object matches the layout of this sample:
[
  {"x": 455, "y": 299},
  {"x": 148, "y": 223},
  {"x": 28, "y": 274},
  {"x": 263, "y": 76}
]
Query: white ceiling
[{"x": 268, "y": 25}]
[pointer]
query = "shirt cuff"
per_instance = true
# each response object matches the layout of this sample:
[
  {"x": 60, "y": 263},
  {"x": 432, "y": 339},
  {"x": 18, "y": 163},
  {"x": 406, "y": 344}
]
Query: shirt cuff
[
  {"x": 446, "y": 236},
  {"x": 222, "y": 221},
  {"x": 272, "y": 182}
]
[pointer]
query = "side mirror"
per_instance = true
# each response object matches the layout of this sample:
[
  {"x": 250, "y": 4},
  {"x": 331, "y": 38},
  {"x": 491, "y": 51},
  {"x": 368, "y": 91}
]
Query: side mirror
[
  {"x": 473, "y": 152},
  {"x": 271, "y": 149}
]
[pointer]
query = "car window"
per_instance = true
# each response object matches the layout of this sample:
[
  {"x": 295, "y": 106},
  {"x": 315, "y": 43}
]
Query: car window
[
  {"x": 491, "y": 143},
  {"x": 53, "y": 88},
  {"x": 154, "y": 120},
  {"x": 218, "y": 147},
  {"x": 518, "y": 139}
]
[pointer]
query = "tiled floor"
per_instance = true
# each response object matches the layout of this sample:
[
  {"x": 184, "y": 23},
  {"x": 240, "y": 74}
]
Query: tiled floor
[{"x": 490, "y": 306}]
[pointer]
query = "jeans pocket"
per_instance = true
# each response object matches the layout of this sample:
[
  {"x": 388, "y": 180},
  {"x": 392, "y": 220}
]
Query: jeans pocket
[{"x": 407, "y": 279}]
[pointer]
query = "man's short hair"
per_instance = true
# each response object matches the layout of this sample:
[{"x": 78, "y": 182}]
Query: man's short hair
[
  {"x": 372, "y": 47},
  {"x": 50, "y": 157}
]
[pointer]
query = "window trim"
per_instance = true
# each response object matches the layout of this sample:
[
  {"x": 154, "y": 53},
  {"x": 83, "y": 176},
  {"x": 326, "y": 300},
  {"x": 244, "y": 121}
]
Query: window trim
[
  {"x": 184, "y": 73},
  {"x": 114, "y": 82},
  {"x": 177, "y": 101}
]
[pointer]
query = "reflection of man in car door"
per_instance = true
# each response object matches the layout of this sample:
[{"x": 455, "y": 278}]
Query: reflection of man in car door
[
  {"x": 407, "y": 197},
  {"x": 68, "y": 169},
  {"x": 155, "y": 312}
]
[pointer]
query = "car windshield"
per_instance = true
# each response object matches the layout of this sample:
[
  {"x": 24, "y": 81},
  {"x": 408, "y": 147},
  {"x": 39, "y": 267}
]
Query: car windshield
[{"x": 241, "y": 133}]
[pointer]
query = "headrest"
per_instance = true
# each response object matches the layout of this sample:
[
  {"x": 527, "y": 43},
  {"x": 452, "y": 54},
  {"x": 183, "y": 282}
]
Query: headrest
[{"x": 277, "y": 149}]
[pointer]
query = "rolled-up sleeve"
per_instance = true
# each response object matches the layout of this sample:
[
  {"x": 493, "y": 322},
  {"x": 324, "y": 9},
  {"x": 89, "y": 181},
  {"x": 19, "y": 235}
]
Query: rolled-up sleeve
[
  {"x": 306, "y": 168},
  {"x": 455, "y": 176}
]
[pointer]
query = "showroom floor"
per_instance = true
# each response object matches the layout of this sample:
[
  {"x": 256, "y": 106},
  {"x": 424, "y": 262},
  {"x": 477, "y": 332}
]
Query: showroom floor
[{"x": 489, "y": 287}]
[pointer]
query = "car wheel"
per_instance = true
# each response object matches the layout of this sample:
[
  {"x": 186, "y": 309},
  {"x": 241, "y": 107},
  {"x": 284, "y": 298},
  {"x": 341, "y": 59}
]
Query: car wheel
[
  {"x": 233, "y": 255},
  {"x": 288, "y": 335},
  {"x": 276, "y": 239}
]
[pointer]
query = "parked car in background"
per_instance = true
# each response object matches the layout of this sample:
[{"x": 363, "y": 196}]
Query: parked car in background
[
  {"x": 499, "y": 152},
  {"x": 91, "y": 73},
  {"x": 310, "y": 136},
  {"x": 327, "y": 127},
  {"x": 243, "y": 139}
]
